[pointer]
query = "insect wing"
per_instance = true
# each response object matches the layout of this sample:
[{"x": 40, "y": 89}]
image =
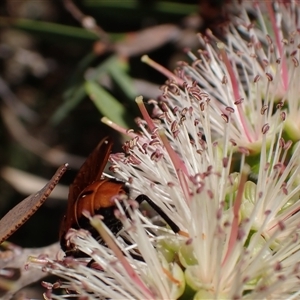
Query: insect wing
[{"x": 91, "y": 170}]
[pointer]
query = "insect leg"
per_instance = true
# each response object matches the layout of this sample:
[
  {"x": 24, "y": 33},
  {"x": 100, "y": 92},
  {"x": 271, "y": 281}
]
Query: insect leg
[{"x": 172, "y": 225}]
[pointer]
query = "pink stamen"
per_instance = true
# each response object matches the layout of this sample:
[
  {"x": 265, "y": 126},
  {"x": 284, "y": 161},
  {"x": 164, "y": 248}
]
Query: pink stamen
[
  {"x": 119, "y": 128},
  {"x": 236, "y": 210},
  {"x": 286, "y": 216},
  {"x": 181, "y": 170},
  {"x": 144, "y": 112},
  {"x": 235, "y": 88},
  {"x": 276, "y": 31},
  {"x": 98, "y": 225},
  {"x": 146, "y": 59}
]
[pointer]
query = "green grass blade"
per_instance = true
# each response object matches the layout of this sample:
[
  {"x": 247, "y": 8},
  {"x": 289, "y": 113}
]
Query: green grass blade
[{"x": 108, "y": 105}]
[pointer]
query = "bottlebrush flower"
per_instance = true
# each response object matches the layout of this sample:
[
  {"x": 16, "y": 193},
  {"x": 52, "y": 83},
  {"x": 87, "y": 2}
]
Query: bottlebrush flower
[{"x": 214, "y": 160}]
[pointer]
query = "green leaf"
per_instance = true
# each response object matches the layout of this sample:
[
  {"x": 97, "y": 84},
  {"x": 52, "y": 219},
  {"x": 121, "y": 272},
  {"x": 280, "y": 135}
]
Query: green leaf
[
  {"x": 48, "y": 29},
  {"x": 77, "y": 94},
  {"x": 134, "y": 6},
  {"x": 108, "y": 105},
  {"x": 118, "y": 73}
]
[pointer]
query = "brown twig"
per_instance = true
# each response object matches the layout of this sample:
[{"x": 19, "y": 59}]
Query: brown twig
[
  {"x": 86, "y": 22},
  {"x": 53, "y": 156}
]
